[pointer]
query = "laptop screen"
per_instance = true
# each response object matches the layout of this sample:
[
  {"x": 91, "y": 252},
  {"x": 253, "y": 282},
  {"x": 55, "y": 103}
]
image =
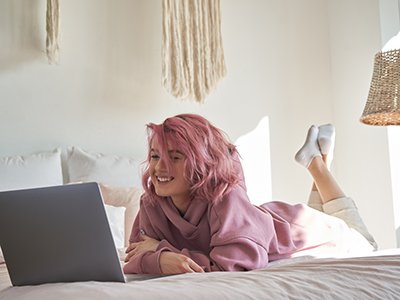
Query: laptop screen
[{"x": 57, "y": 234}]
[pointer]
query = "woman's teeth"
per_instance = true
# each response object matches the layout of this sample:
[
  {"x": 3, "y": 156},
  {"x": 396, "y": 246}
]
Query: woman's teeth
[{"x": 164, "y": 179}]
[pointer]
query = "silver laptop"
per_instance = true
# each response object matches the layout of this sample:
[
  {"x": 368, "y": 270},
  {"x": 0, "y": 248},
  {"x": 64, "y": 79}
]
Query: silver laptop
[{"x": 57, "y": 234}]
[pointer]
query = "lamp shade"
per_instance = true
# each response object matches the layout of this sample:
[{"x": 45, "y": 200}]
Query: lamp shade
[{"x": 383, "y": 103}]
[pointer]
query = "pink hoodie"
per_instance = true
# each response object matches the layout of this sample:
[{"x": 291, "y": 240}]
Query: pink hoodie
[{"x": 232, "y": 234}]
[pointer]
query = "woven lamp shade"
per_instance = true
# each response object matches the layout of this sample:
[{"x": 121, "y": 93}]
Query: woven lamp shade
[{"x": 383, "y": 103}]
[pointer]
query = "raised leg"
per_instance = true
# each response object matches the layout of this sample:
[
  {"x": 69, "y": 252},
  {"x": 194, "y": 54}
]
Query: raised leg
[{"x": 333, "y": 200}]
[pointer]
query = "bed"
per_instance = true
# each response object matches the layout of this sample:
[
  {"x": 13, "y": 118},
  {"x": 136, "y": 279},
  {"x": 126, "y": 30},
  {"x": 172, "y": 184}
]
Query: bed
[{"x": 373, "y": 276}]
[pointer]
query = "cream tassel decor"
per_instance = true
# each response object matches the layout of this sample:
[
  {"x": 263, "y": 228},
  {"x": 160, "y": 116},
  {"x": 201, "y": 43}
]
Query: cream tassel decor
[
  {"x": 52, "y": 26},
  {"x": 192, "y": 51}
]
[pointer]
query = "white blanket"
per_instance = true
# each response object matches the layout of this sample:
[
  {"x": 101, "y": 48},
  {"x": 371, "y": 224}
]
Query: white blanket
[{"x": 370, "y": 277}]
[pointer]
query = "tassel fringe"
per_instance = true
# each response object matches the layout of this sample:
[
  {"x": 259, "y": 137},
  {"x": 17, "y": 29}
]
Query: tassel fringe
[
  {"x": 192, "y": 51},
  {"x": 52, "y": 27}
]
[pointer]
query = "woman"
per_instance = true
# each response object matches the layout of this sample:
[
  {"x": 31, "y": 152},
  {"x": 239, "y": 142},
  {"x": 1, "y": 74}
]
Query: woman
[{"x": 195, "y": 215}]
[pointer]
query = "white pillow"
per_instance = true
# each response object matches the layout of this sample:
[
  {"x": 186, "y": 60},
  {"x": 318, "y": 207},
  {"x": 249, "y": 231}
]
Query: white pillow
[
  {"x": 128, "y": 198},
  {"x": 31, "y": 171},
  {"x": 116, "y": 218},
  {"x": 119, "y": 176},
  {"x": 113, "y": 170}
]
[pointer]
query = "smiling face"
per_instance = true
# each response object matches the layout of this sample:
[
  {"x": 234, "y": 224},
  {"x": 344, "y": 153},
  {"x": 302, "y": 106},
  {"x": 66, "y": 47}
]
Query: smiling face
[{"x": 169, "y": 183}]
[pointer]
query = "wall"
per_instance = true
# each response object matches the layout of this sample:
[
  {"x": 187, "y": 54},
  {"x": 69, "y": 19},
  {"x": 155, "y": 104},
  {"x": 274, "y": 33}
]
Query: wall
[
  {"x": 390, "y": 26},
  {"x": 107, "y": 84},
  {"x": 362, "y": 164}
]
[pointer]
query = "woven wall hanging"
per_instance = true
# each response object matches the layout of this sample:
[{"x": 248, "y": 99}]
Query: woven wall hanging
[
  {"x": 192, "y": 52},
  {"x": 52, "y": 26}
]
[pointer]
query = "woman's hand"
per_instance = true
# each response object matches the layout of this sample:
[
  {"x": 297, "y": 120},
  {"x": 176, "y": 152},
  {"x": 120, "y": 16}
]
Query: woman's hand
[
  {"x": 147, "y": 244},
  {"x": 175, "y": 263}
]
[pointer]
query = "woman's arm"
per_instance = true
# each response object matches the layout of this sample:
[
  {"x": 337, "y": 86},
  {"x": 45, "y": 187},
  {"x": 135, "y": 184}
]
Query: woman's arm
[
  {"x": 145, "y": 256},
  {"x": 240, "y": 235},
  {"x": 237, "y": 254}
]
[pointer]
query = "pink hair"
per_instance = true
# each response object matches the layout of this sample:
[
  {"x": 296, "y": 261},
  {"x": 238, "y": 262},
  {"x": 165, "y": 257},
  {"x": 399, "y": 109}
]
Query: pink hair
[{"x": 211, "y": 161}]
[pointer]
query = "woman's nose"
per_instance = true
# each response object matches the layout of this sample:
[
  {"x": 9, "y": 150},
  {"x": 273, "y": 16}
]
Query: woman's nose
[{"x": 161, "y": 165}]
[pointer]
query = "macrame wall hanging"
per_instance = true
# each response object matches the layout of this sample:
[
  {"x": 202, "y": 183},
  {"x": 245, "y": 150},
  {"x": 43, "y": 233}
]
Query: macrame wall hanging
[
  {"x": 52, "y": 26},
  {"x": 193, "y": 57}
]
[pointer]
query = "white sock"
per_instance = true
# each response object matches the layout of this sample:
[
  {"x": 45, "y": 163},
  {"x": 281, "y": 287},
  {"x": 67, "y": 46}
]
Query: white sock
[
  {"x": 310, "y": 148},
  {"x": 326, "y": 141}
]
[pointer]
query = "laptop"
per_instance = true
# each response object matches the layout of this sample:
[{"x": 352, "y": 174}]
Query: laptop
[{"x": 57, "y": 234}]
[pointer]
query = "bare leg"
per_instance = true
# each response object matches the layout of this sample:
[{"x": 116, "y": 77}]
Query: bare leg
[
  {"x": 314, "y": 199},
  {"x": 310, "y": 156},
  {"x": 324, "y": 181},
  {"x": 334, "y": 201},
  {"x": 326, "y": 144},
  {"x": 314, "y": 186}
]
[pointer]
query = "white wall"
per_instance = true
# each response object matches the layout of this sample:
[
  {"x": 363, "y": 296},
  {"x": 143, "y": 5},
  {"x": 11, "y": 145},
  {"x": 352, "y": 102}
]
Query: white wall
[
  {"x": 362, "y": 164},
  {"x": 278, "y": 54},
  {"x": 390, "y": 26}
]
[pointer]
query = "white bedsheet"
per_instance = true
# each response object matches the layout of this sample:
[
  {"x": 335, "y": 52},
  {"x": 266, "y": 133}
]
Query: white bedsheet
[{"x": 370, "y": 277}]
